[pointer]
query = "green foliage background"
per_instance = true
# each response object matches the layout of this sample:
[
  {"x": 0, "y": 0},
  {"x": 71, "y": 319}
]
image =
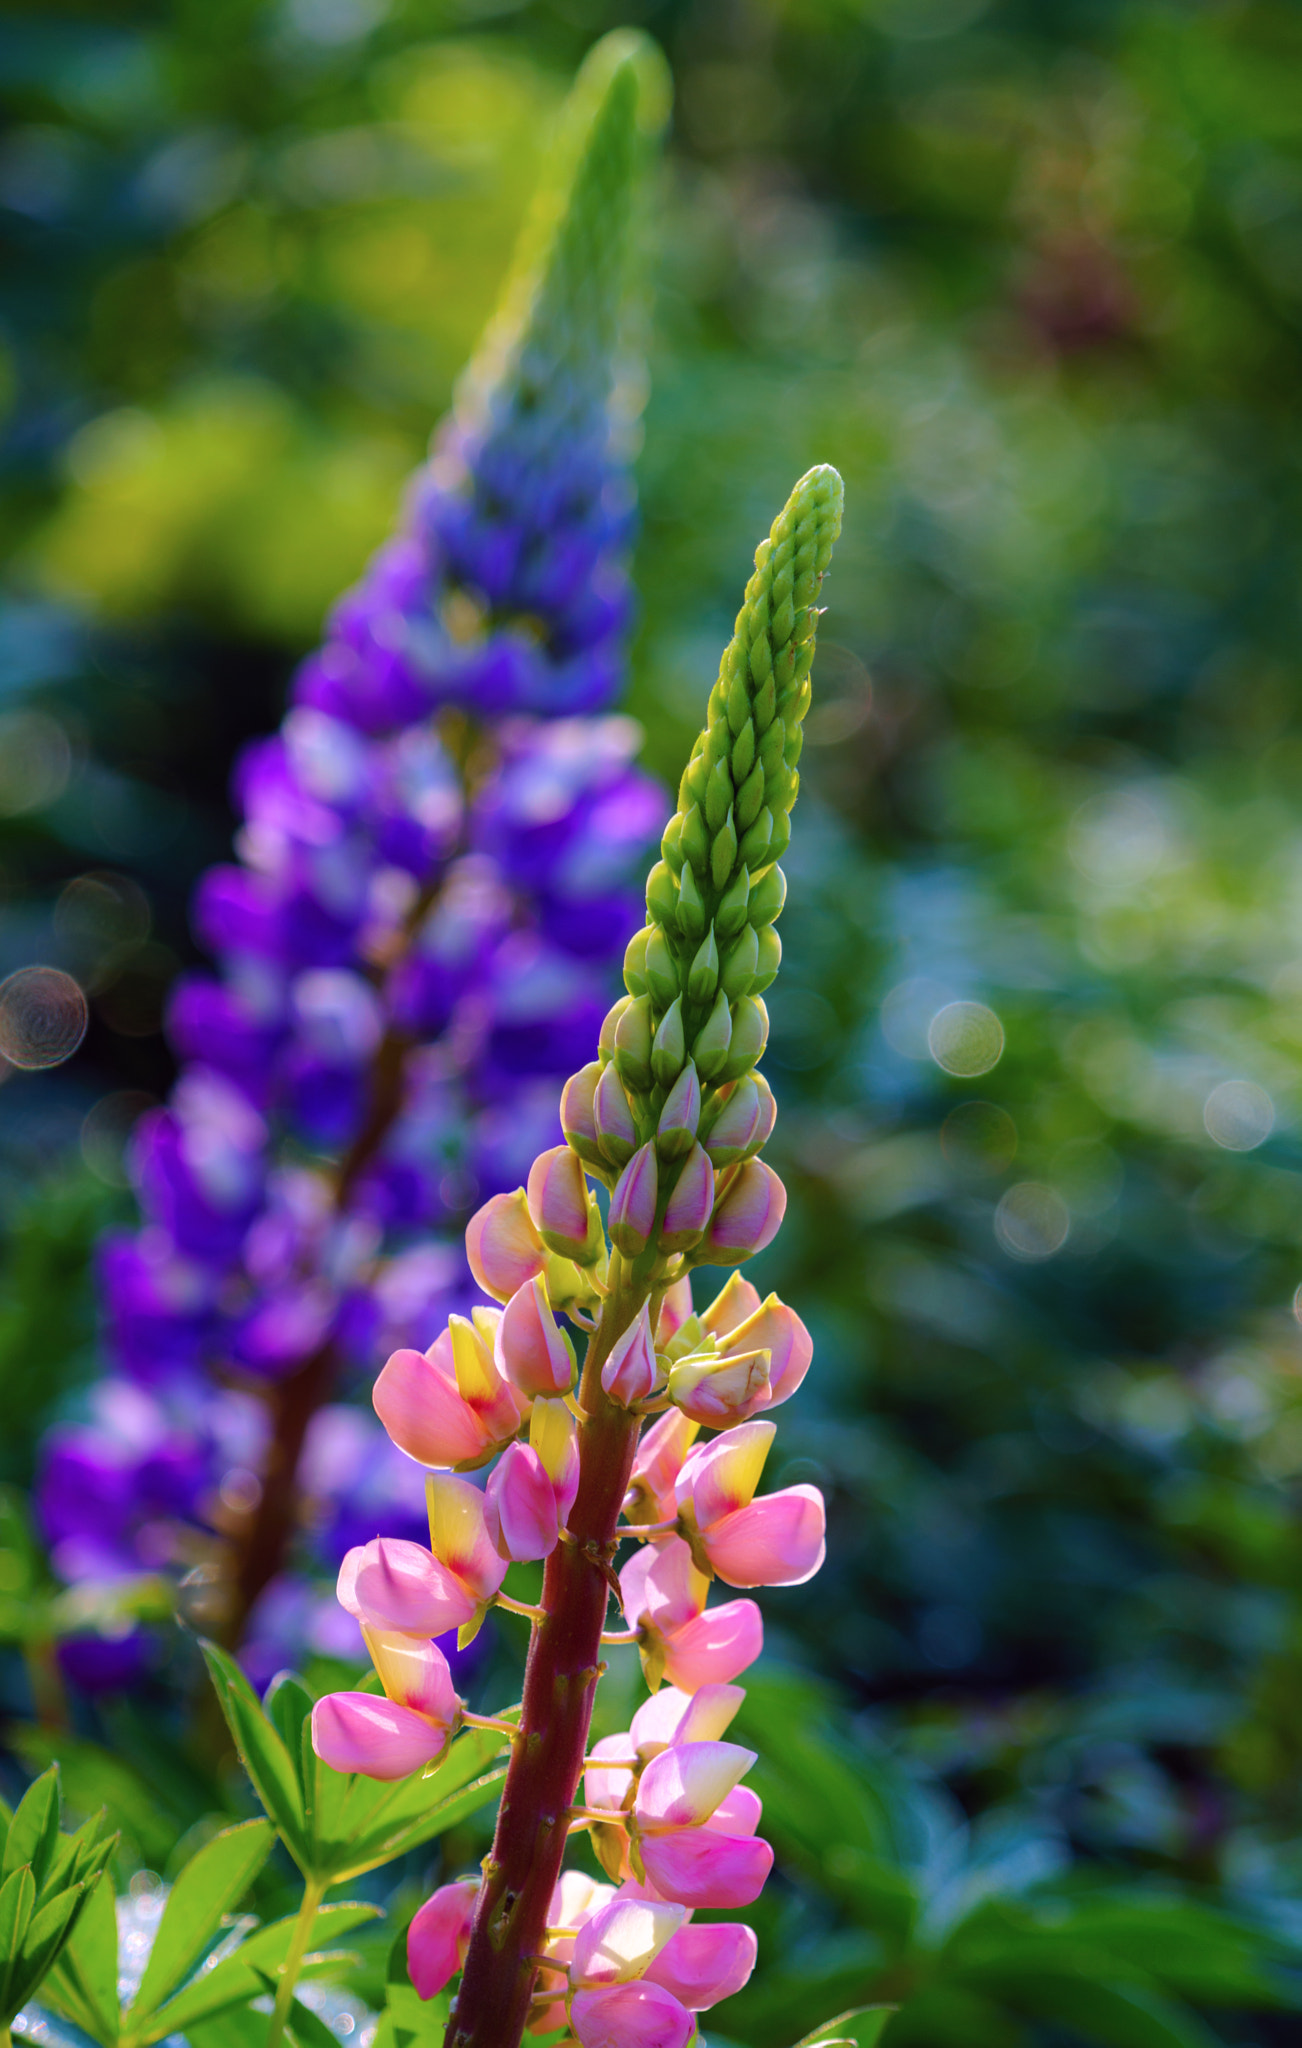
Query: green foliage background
[{"x": 1031, "y": 276}]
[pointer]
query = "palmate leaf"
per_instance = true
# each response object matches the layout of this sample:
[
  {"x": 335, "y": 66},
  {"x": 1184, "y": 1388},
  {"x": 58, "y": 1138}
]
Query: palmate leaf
[
  {"x": 211, "y": 1884},
  {"x": 83, "y": 1985},
  {"x": 336, "y": 1826},
  {"x": 245, "y": 1974},
  {"x": 34, "y": 1828},
  {"x": 45, "y": 1880}
]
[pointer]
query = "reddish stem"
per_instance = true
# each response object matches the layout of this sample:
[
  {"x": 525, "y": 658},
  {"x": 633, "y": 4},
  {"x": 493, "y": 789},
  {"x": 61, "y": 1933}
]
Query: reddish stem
[{"x": 560, "y": 1679}]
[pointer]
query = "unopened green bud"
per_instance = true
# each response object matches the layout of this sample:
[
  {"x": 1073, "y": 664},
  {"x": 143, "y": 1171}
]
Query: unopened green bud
[
  {"x": 676, "y": 1130},
  {"x": 609, "y": 1024},
  {"x": 632, "y": 1049},
  {"x": 750, "y": 1035},
  {"x": 767, "y": 895},
  {"x": 769, "y": 949},
  {"x": 731, "y": 914},
  {"x": 740, "y": 964},
  {"x": 691, "y": 909},
  {"x": 711, "y": 1047},
  {"x": 695, "y": 839},
  {"x": 780, "y": 837},
  {"x": 723, "y": 853},
  {"x": 743, "y": 750},
  {"x": 662, "y": 896},
  {"x": 660, "y": 969},
  {"x": 753, "y": 847},
  {"x": 669, "y": 1048},
  {"x": 671, "y": 848},
  {"x": 718, "y": 795},
  {"x": 635, "y": 964},
  {"x": 703, "y": 974}
]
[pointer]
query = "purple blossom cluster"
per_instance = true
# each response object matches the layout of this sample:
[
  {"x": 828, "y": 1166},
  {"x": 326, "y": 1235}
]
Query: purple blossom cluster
[{"x": 417, "y": 940}]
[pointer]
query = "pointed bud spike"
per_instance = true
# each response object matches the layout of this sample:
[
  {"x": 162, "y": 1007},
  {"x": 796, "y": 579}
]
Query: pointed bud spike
[
  {"x": 711, "y": 1047},
  {"x": 616, "y": 1131},
  {"x": 669, "y": 1048},
  {"x": 680, "y": 1116},
  {"x": 688, "y": 1209},
  {"x": 633, "y": 1204},
  {"x": 703, "y": 974}
]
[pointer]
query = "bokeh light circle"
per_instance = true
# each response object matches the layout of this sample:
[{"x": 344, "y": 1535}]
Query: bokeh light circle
[
  {"x": 43, "y": 1017},
  {"x": 965, "y": 1039},
  {"x": 1239, "y": 1116},
  {"x": 1032, "y": 1221}
]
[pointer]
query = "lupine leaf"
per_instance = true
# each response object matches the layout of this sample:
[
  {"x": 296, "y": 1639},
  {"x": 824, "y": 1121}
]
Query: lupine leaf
[
  {"x": 414, "y": 2022},
  {"x": 84, "y": 1982},
  {"x": 17, "y": 1899},
  {"x": 212, "y": 1882},
  {"x": 359, "y": 1824},
  {"x": 859, "y": 2028},
  {"x": 34, "y": 1827},
  {"x": 308, "y": 2030},
  {"x": 241, "y": 1976},
  {"x": 288, "y": 1705},
  {"x": 263, "y": 1754}
]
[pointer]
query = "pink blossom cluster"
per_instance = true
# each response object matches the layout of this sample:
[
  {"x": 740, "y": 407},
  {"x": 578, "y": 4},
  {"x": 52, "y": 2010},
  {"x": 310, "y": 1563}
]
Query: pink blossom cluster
[{"x": 671, "y": 1823}]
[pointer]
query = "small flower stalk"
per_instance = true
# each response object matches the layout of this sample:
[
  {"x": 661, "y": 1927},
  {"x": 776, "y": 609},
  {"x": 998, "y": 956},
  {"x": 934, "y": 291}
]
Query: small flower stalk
[{"x": 661, "y": 1446}]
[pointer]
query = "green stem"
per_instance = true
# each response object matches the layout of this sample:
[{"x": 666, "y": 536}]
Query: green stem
[{"x": 313, "y": 1893}]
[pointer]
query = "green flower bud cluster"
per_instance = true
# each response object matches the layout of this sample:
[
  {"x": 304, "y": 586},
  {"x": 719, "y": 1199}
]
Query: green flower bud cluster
[
  {"x": 558, "y": 327},
  {"x": 678, "y": 1052}
]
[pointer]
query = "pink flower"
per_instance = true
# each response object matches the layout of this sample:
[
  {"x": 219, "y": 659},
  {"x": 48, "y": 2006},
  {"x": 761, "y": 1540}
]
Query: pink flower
[
  {"x": 633, "y": 1204},
  {"x": 449, "y": 1406},
  {"x": 530, "y": 1349},
  {"x": 689, "y": 1206},
  {"x": 701, "y": 1965},
  {"x": 748, "y": 1216},
  {"x": 531, "y": 1491},
  {"x": 391, "y": 1737},
  {"x": 720, "y": 1391},
  {"x": 672, "y": 1716},
  {"x": 502, "y": 1246},
  {"x": 777, "y": 1329},
  {"x": 629, "y": 1373},
  {"x": 744, "y": 1123},
  {"x": 663, "y": 1594},
  {"x": 439, "y": 1936},
  {"x": 558, "y": 1202},
  {"x": 778, "y": 1541},
  {"x": 392, "y": 1584},
  {"x": 630, "y": 2016},
  {"x": 575, "y": 1898},
  {"x": 460, "y": 1538},
  {"x": 687, "y": 1845},
  {"x": 660, "y": 1454}
]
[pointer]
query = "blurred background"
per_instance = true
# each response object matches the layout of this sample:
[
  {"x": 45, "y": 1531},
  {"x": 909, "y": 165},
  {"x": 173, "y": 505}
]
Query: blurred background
[{"x": 1031, "y": 276}]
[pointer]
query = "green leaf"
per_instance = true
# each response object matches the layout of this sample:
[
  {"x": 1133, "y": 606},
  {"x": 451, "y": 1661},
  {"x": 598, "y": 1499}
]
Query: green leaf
[
  {"x": 358, "y": 1824},
  {"x": 263, "y": 1754},
  {"x": 1120, "y": 2015},
  {"x": 211, "y": 1884},
  {"x": 17, "y": 1900},
  {"x": 287, "y": 1704},
  {"x": 49, "y": 1928},
  {"x": 83, "y": 1984},
  {"x": 240, "y": 1977},
  {"x": 414, "y": 2022},
  {"x": 34, "y": 1827},
  {"x": 235, "y": 2028},
  {"x": 308, "y": 2030},
  {"x": 859, "y": 2028}
]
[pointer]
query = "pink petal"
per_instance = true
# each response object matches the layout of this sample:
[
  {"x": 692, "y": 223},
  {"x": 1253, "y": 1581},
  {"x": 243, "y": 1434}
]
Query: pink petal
[
  {"x": 530, "y": 1350},
  {"x": 629, "y": 1373},
  {"x": 459, "y": 1535},
  {"x": 749, "y": 1215},
  {"x": 558, "y": 1200},
  {"x": 439, "y": 1935},
  {"x": 659, "y": 1460},
  {"x": 520, "y": 1506},
  {"x": 681, "y": 1787},
  {"x": 739, "y": 1814},
  {"x": 502, "y": 1246},
  {"x": 607, "y": 1788},
  {"x": 698, "y": 1867},
  {"x": 633, "y": 1203},
  {"x": 393, "y": 1584},
  {"x": 472, "y": 1342},
  {"x": 674, "y": 1309},
  {"x": 422, "y": 1411},
  {"x": 615, "y": 1945},
  {"x": 661, "y": 1582},
  {"x": 414, "y": 1674},
  {"x": 630, "y": 2016},
  {"x": 736, "y": 1300},
  {"x": 721, "y": 1476},
  {"x": 777, "y": 1541},
  {"x": 701, "y": 1965},
  {"x": 688, "y": 1209},
  {"x": 777, "y": 1329},
  {"x": 714, "y": 1646},
  {"x": 355, "y": 1731},
  {"x": 719, "y": 1392}
]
